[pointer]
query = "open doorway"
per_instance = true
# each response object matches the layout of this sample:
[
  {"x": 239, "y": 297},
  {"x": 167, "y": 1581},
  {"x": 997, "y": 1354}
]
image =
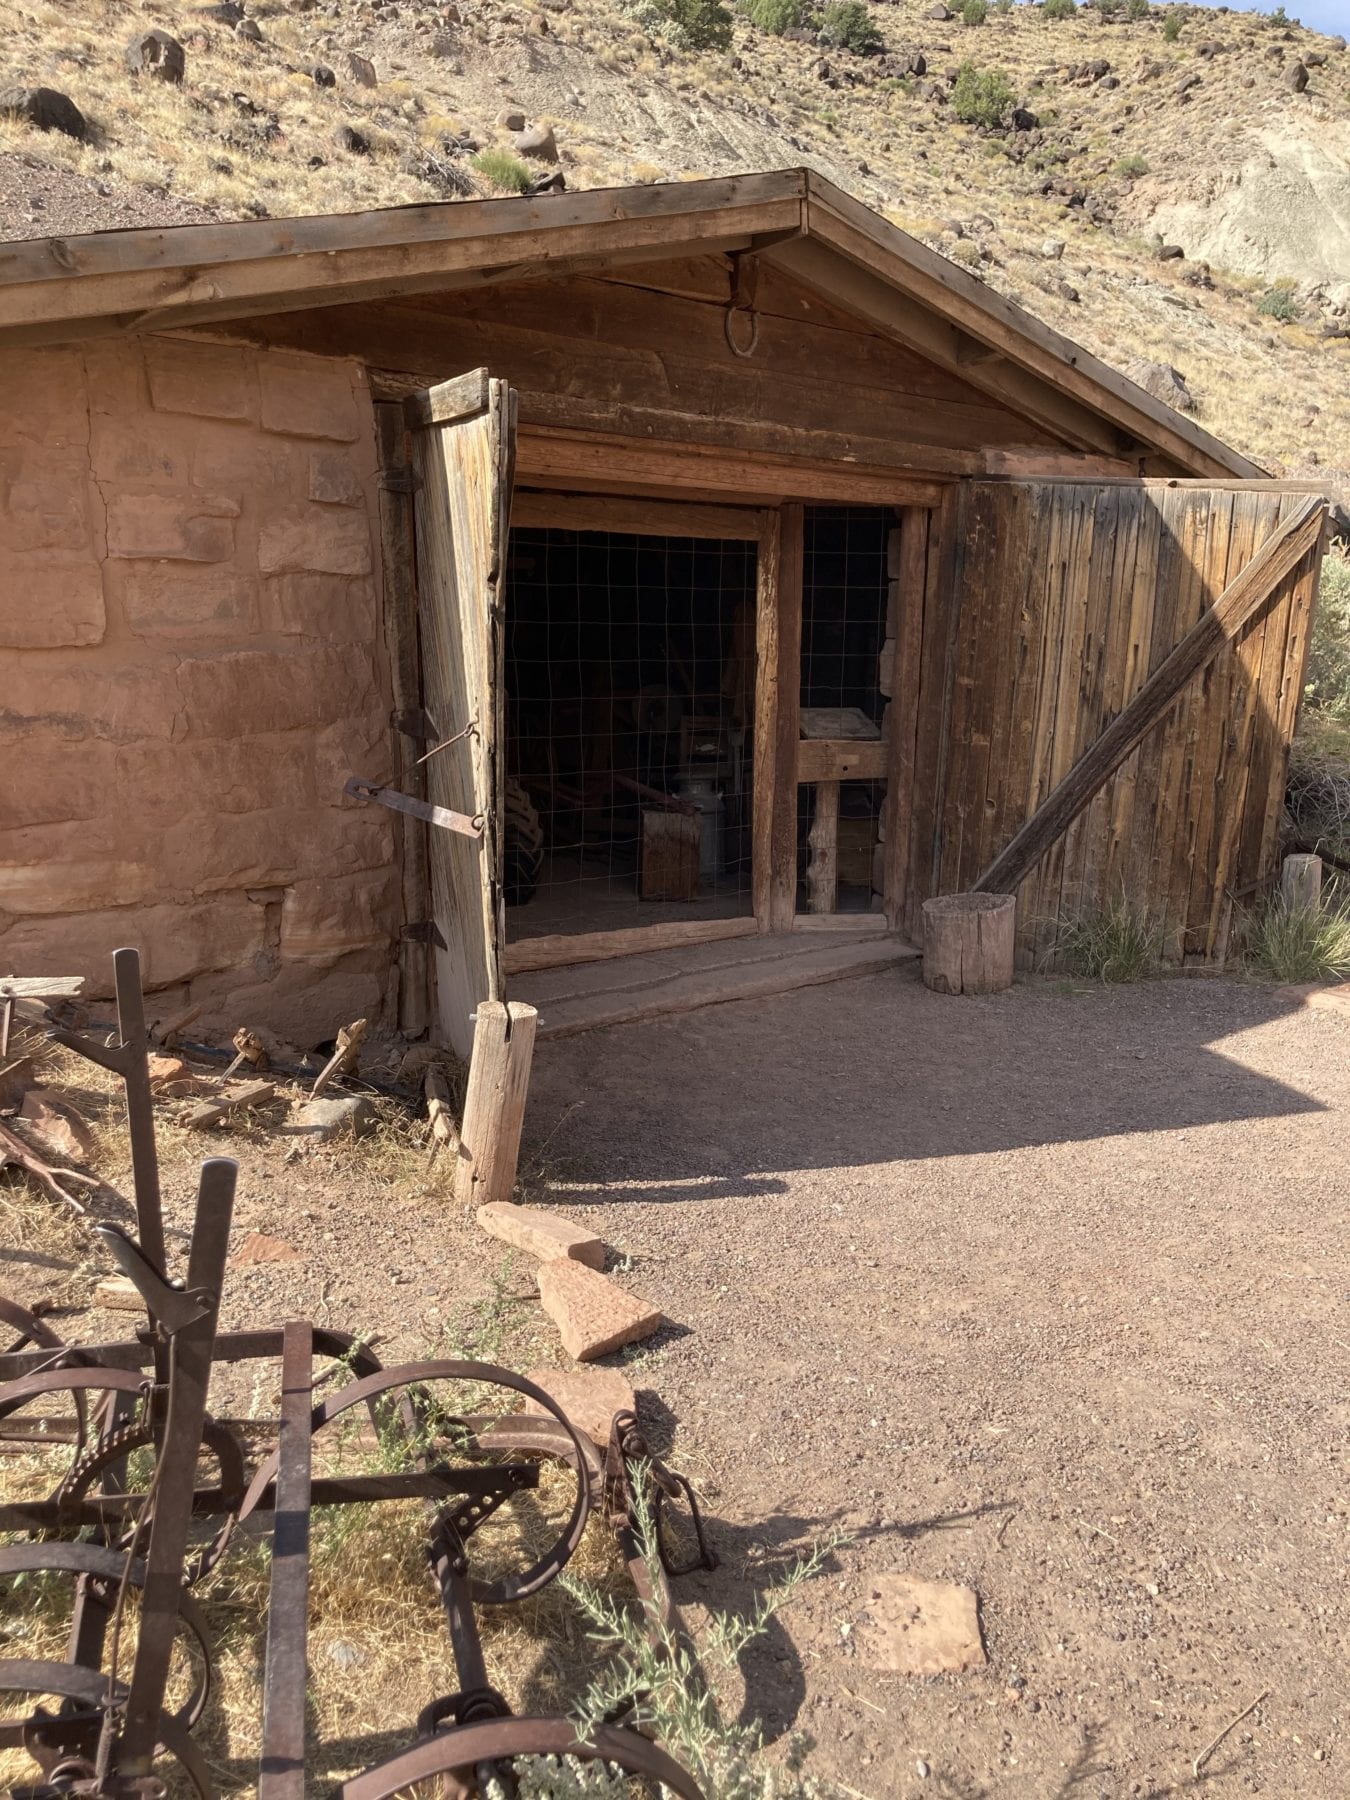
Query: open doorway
[
  {"x": 629, "y": 674},
  {"x": 845, "y": 693}
]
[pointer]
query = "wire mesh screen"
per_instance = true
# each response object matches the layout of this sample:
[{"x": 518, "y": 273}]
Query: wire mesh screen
[
  {"x": 844, "y": 607},
  {"x": 630, "y": 668}
]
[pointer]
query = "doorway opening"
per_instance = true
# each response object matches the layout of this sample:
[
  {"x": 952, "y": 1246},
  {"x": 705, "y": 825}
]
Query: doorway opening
[
  {"x": 629, "y": 674},
  {"x": 845, "y": 695}
]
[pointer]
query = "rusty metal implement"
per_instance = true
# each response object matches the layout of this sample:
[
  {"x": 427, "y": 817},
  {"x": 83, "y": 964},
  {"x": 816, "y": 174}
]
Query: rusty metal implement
[{"x": 95, "y": 1722}]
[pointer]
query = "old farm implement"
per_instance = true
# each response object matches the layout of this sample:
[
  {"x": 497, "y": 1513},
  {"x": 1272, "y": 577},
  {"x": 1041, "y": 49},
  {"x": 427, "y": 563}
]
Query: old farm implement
[{"x": 152, "y": 1488}]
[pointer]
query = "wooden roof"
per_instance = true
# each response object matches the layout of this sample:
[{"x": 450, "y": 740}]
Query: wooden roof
[{"x": 108, "y": 283}]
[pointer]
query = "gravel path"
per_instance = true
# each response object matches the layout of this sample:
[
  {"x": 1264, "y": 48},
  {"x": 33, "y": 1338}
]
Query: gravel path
[{"x": 1045, "y": 1293}]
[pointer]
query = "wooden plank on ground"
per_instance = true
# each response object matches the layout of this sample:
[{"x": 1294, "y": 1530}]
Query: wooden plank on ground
[{"x": 600, "y": 946}]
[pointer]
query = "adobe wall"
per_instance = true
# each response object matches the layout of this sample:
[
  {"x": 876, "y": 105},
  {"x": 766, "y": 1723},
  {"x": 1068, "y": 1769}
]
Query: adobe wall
[{"x": 190, "y": 642}]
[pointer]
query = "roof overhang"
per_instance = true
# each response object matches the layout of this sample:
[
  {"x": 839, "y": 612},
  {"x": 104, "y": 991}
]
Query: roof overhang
[{"x": 54, "y": 290}]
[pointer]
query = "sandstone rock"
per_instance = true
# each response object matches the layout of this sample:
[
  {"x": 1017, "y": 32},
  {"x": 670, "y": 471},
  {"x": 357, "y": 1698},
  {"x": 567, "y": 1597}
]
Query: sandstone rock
[
  {"x": 118, "y": 1294},
  {"x": 541, "y": 1233},
  {"x": 333, "y": 481},
  {"x": 1162, "y": 381},
  {"x": 157, "y": 54},
  {"x": 335, "y": 1115},
  {"x": 256, "y": 1247},
  {"x": 49, "y": 607},
  {"x": 45, "y": 108},
  {"x": 361, "y": 70},
  {"x": 589, "y": 1397},
  {"x": 916, "y": 1627},
  {"x": 189, "y": 526},
  {"x": 55, "y": 1126},
  {"x": 178, "y": 600},
  {"x": 511, "y": 120},
  {"x": 537, "y": 141},
  {"x": 305, "y": 398},
  {"x": 208, "y": 380},
  {"x": 593, "y": 1315},
  {"x": 314, "y": 538}
]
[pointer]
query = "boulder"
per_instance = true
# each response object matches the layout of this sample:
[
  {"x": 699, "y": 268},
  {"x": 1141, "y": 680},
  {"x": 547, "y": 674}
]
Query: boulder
[
  {"x": 511, "y": 120},
  {"x": 361, "y": 70},
  {"x": 1162, "y": 381},
  {"x": 1053, "y": 249},
  {"x": 249, "y": 31},
  {"x": 354, "y": 142},
  {"x": 1171, "y": 253},
  {"x": 938, "y": 11},
  {"x": 322, "y": 76},
  {"x": 442, "y": 44},
  {"x": 333, "y": 1116},
  {"x": 1296, "y": 77},
  {"x": 226, "y": 13},
  {"x": 1024, "y": 120},
  {"x": 157, "y": 54},
  {"x": 537, "y": 141},
  {"x": 45, "y": 108}
]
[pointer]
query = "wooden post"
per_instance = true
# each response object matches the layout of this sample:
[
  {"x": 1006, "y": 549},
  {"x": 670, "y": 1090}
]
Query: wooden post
[
  {"x": 1301, "y": 883},
  {"x": 778, "y": 683},
  {"x": 968, "y": 943},
  {"x": 822, "y": 870},
  {"x": 494, "y": 1104}
]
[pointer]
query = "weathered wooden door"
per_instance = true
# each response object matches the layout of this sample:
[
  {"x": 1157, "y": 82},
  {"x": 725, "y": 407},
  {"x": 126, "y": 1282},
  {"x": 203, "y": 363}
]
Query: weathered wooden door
[
  {"x": 1047, "y": 607},
  {"x": 463, "y": 450}
]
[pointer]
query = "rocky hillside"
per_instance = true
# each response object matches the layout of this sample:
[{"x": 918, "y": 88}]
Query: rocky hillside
[{"x": 1172, "y": 186}]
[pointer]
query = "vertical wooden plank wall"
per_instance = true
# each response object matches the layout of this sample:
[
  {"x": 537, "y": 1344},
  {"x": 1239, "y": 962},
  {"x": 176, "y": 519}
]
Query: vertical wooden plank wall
[{"x": 1047, "y": 606}]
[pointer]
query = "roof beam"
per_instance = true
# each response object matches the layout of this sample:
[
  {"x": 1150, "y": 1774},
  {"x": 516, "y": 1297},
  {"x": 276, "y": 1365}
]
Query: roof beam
[{"x": 912, "y": 271}]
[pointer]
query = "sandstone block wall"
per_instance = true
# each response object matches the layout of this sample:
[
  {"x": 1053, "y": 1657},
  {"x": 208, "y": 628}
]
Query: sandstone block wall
[{"x": 189, "y": 635}]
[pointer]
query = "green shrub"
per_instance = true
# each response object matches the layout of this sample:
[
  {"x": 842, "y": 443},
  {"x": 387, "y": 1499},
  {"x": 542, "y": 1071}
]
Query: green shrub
[
  {"x": 849, "y": 25},
  {"x": 974, "y": 12},
  {"x": 1279, "y": 17},
  {"x": 690, "y": 24},
  {"x": 1107, "y": 8},
  {"x": 1003, "y": 6},
  {"x": 982, "y": 96},
  {"x": 1327, "y": 687},
  {"x": 1299, "y": 943},
  {"x": 1059, "y": 9},
  {"x": 503, "y": 171},
  {"x": 1131, "y": 167},
  {"x": 1172, "y": 26},
  {"x": 1112, "y": 943},
  {"x": 1137, "y": 9},
  {"x": 773, "y": 16},
  {"x": 1278, "y": 303}
]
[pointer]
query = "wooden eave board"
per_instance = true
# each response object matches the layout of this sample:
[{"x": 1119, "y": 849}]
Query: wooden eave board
[{"x": 56, "y": 289}]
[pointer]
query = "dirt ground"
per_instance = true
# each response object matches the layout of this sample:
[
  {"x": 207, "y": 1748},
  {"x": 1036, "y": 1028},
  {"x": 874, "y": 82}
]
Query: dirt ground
[{"x": 1045, "y": 1293}]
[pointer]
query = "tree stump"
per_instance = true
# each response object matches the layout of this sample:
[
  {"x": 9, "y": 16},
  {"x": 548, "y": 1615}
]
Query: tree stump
[
  {"x": 1301, "y": 883},
  {"x": 968, "y": 943}
]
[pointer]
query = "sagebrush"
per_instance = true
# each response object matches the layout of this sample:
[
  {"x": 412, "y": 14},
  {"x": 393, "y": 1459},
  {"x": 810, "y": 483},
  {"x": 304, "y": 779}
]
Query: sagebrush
[
  {"x": 1114, "y": 943},
  {"x": 1300, "y": 943}
]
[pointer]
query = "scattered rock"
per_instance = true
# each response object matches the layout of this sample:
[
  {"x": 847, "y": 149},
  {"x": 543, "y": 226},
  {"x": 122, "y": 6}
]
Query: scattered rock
[
  {"x": 541, "y": 1233},
  {"x": 1171, "y": 253},
  {"x": 589, "y": 1397},
  {"x": 355, "y": 142},
  {"x": 938, "y": 11},
  {"x": 55, "y": 1126},
  {"x": 1296, "y": 78},
  {"x": 1024, "y": 120},
  {"x": 1053, "y": 249},
  {"x": 1188, "y": 82},
  {"x": 322, "y": 76},
  {"x": 592, "y": 1314},
  {"x": 226, "y": 13},
  {"x": 334, "y": 1115},
  {"x": 361, "y": 70},
  {"x": 257, "y": 1247},
  {"x": 45, "y": 108},
  {"x": 345, "y": 1655},
  {"x": 538, "y": 25},
  {"x": 511, "y": 120},
  {"x": 442, "y": 44},
  {"x": 1314, "y": 59},
  {"x": 119, "y": 1294},
  {"x": 1162, "y": 381},
  {"x": 249, "y": 31},
  {"x": 555, "y": 183},
  {"x": 537, "y": 141},
  {"x": 15, "y": 1080},
  {"x": 157, "y": 54},
  {"x": 916, "y": 1627}
]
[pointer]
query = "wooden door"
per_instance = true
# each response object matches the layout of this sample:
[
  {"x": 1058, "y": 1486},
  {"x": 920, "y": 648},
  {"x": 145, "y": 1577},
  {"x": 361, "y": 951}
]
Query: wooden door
[
  {"x": 1047, "y": 608},
  {"x": 463, "y": 450}
]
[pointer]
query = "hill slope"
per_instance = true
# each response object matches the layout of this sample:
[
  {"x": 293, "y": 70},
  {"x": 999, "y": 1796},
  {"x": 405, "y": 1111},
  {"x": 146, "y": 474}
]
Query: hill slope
[{"x": 1213, "y": 138}]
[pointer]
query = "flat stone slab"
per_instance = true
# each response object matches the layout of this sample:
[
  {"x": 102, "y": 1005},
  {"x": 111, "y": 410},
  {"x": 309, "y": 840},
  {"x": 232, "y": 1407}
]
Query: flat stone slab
[
  {"x": 916, "y": 1627},
  {"x": 592, "y": 1314},
  {"x": 332, "y": 1116},
  {"x": 589, "y": 1397},
  {"x": 541, "y": 1233}
]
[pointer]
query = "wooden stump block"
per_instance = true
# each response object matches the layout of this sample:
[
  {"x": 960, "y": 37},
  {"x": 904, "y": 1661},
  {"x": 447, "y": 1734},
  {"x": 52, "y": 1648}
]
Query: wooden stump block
[
  {"x": 968, "y": 943},
  {"x": 1301, "y": 883}
]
